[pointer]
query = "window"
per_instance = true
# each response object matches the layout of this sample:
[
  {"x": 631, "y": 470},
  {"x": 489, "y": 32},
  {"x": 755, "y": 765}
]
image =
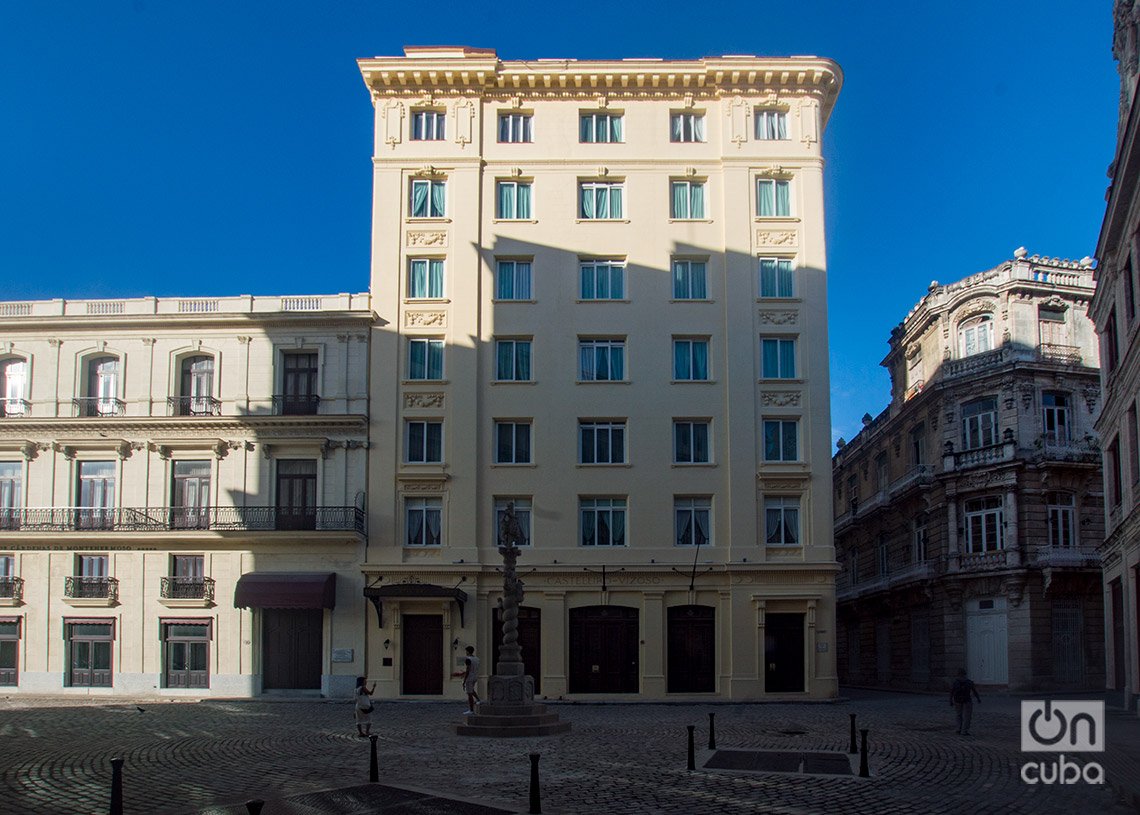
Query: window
[
  {"x": 513, "y": 280},
  {"x": 687, "y": 200},
  {"x": 513, "y": 202},
  {"x": 918, "y": 552},
  {"x": 773, "y": 198},
  {"x": 776, "y": 277},
  {"x": 425, "y": 359},
  {"x": 1113, "y": 473},
  {"x": 512, "y": 360},
  {"x": 985, "y": 525},
  {"x": 196, "y": 387},
  {"x": 428, "y": 125},
  {"x": 1133, "y": 445},
  {"x": 692, "y": 526},
  {"x": 976, "y": 335},
  {"x": 516, "y": 127},
  {"x": 190, "y": 495},
  {"x": 690, "y": 280},
  {"x": 690, "y": 442},
  {"x": 853, "y": 567},
  {"x": 1051, "y": 327},
  {"x": 601, "y": 280},
  {"x": 423, "y": 517},
  {"x": 979, "y": 423},
  {"x": 102, "y": 397},
  {"x": 884, "y": 556},
  {"x": 690, "y": 360},
  {"x": 687, "y": 127},
  {"x": 96, "y": 495},
  {"x": 512, "y": 442},
  {"x": 1055, "y": 417},
  {"x": 424, "y": 442},
  {"x": 882, "y": 472},
  {"x": 187, "y": 653},
  {"x": 425, "y": 278},
  {"x": 601, "y": 360},
  {"x": 603, "y": 521},
  {"x": 601, "y": 442},
  {"x": 187, "y": 580},
  {"x": 777, "y": 358},
  {"x": 89, "y": 654},
  {"x": 299, "y": 384},
  {"x": 9, "y": 651},
  {"x": 782, "y": 521},
  {"x": 600, "y": 128},
  {"x": 780, "y": 440},
  {"x": 918, "y": 445},
  {"x": 600, "y": 200},
  {"x": 296, "y": 493},
  {"x": 1129, "y": 290},
  {"x": 522, "y": 515},
  {"x": 11, "y": 500},
  {"x": 14, "y": 387},
  {"x": 1062, "y": 518},
  {"x": 771, "y": 125},
  {"x": 1108, "y": 344},
  {"x": 429, "y": 198}
]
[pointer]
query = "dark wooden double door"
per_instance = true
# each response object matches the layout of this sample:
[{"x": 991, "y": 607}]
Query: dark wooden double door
[
  {"x": 784, "y": 653},
  {"x": 291, "y": 654},
  {"x": 422, "y": 654},
  {"x": 604, "y": 649},
  {"x": 692, "y": 649}
]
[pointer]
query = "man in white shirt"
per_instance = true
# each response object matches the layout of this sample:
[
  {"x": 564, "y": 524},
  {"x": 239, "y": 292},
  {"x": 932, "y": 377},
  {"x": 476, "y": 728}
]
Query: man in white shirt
[{"x": 470, "y": 674}]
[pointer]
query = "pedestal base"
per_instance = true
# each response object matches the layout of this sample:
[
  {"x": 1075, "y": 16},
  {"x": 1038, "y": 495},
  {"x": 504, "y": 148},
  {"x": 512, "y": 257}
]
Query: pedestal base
[
  {"x": 510, "y": 690},
  {"x": 511, "y": 712}
]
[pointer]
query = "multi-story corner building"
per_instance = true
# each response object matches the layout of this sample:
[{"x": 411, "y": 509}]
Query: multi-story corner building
[
  {"x": 603, "y": 287},
  {"x": 1114, "y": 309},
  {"x": 182, "y": 491},
  {"x": 969, "y": 511}
]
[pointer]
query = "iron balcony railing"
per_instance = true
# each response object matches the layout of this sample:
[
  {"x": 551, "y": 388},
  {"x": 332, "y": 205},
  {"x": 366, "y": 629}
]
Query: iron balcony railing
[
  {"x": 95, "y": 406},
  {"x": 918, "y": 474},
  {"x": 285, "y": 404},
  {"x": 91, "y": 588},
  {"x": 194, "y": 406},
  {"x": 15, "y": 407},
  {"x": 12, "y": 588},
  {"x": 157, "y": 519},
  {"x": 1052, "y": 352},
  {"x": 187, "y": 588}
]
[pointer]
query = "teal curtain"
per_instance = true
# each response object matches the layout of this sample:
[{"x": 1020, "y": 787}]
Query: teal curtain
[
  {"x": 771, "y": 441},
  {"x": 697, "y": 200},
  {"x": 617, "y": 282},
  {"x": 589, "y": 534},
  {"x": 680, "y": 199},
  {"x": 419, "y": 199},
  {"x": 586, "y": 129},
  {"x": 522, "y": 361},
  {"x": 680, "y": 280},
  {"x": 615, "y": 201},
  {"x": 522, "y": 281},
  {"x": 435, "y": 360},
  {"x": 587, "y": 289},
  {"x": 700, "y": 360},
  {"x": 769, "y": 359},
  {"x": 785, "y": 278},
  {"x": 682, "y": 351},
  {"x": 700, "y": 432},
  {"x": 435, "y": 279},
  {"x": 698, "y": 273},
  {"x": 417, "y": 286},
  {"x": 791, "y": 447},
  {"x": 765, "y": 198},
  {"x": 615, "y": 129},
  {"x": 617, "y": 362},
  {"x": 783, "y": 198},
  {"x": 587, "y": 370},
  {"x": 768, "y": 287},
  {"x": 506, "y": 288},
  {"x": 587, "y": 202},
  {"x": 788, "y": 359},
  {"x": 504, "y": 367},
  {"x": 438, "y": 196},
  {"x": 417, "y": 359},
  {"x": 522, "y": 205},
  {"x": 506, "y": 200}
]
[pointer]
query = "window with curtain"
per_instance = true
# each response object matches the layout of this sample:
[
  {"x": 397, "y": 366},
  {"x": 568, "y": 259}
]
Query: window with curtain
[
  {"x": 782, "y": 521},
  {"x": 1062, "y": 515},
  {"x": 601, "y": 442},
  {"x": 773, "y": 198},
  {"x": 979, "y": 423},
  {"x": 522, "y": 515},
  {"x": 687, "y": 200},
  {"x": 513, "y": 200},
  {"x": 512, "y": 442},
  {"x": 601, "y": 360},
  {"x": 690, "y": 280},
  {"x": 600, "y": 200},
  {"x": 429, "y": 198},
  {"x": 424, "y": 520},
  {"x": 600, "y": 128},
  {"x": 781, "y": 440},
  {"x": 777, "y": 358},
  {"x": 512, "y": 360},
  {"x": 428, "y": 125},
  {"x": 516, "y": 128},
  {"x": 425, "y": 278},
  {"x": 776, "y": 277},
  {"x": 513, "y": 280},
  {"x": 976, "y": 335},
  {"x": 690, "y": 442},
  {"x": 424, "y": 442},
  {"x": 601, "y": 280},
  {"x": 687, "y": 127},
  {"x": 985, "y": 525},
  {"x": 13, "y": 387},
  {"x": 1055, "y": 417},
  {"x": 11, "y": 487},
  {"x": 691, "y": 360},
  {"x": 771, "y": 125},
  {"x": 425, "y": 359},
  {"x": 692, "y": 526},
  {"x": 603, "y": 521}
]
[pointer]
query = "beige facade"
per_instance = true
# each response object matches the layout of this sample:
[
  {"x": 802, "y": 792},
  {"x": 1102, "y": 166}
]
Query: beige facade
[
  {"x": 602, "y": 286},
  {"x": 162, "y": 462}
]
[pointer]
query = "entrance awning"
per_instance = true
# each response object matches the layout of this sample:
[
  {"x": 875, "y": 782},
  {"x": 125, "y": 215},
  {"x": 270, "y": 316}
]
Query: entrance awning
[
  {"x": 286, "y": 590},
  {"x": 419, "y": 591}
]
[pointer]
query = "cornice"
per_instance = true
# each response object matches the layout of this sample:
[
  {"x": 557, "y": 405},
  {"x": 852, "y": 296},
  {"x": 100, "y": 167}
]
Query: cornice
[
  {"x": 171, "y": 323},
  {"x": 209, "y": 426}
]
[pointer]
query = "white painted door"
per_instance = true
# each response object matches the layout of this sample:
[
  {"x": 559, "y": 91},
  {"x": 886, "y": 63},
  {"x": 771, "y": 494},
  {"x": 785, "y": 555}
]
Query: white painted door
[{"x": 987, "y": 641}]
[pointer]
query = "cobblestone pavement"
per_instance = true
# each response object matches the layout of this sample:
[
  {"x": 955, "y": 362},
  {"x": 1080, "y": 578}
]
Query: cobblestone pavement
[{"x": 622, "y": 758}]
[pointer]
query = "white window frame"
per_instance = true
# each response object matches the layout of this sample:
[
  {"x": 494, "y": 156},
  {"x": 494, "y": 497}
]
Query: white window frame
[
  {"x": 522, "y": 279},
  {"x": 428, "y": 343},
  {"x": 14, "y": 372},
  {"x": 692, "y": 200},
  {"x": 781, "y": 425},
  {"x": 432, "y": 184},
  {"x": 691, "y": 343},
  {"x": 1061, "y": 509},
  {"x": 428, "y": 125},
  {"x": 1056, "y": 418},
  {"x": 781, "y": 344},
  {"x": 421, "y": 455},
  {"x": 776, "y": 184},
  {"x": 515, "y": 214},
  {"x": 686, "y": 273},
  {"x": 602, "y": 192},
  {"x": 782, "y": 278},
  {"x": 687, "y": 127},
  {"x": 976, "y": 335},
  {"x": 512, "y": 426},
  {"x": 428, "y": 264},
  {"x": 611, "y": 346},
  {"x": 985, "y": 525},
  {"x": 605, "y": 120},
  {"x": 918, "y": 542},
  {"x": 425, "y": 507},
  {"x": 596, "y": 430},
  {"x": 687, "y": 512},
  {"x": 785, "y": 506},
  {"x": 979, "y": 424},
  {"x": 515, "y": 128},
  {"x": 598, "y": 507},
  {"x": 524, "y": 507},
  {"x": 770, "y": 124},
  {"x": 515, "y": 374},
  {"x": 11, "y": 488},
  {"x": 689, "y": 427},
  {"x": 598, "y": 274}
]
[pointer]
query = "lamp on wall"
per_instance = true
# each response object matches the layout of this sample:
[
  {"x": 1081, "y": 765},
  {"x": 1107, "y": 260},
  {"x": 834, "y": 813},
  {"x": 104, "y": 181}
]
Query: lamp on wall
[
  {"x": 455, "y": 643},
  {"x": 386, "y": 644}
]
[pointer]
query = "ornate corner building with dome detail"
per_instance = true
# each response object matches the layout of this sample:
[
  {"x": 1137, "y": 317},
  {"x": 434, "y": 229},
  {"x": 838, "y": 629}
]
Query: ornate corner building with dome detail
[
  {"x": 601, "y": 289},
  {"x": 970, "y": 511}
]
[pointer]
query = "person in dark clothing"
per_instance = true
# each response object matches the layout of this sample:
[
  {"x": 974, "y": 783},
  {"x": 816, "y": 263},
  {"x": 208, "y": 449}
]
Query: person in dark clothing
[{"x": 960, "y": 698}]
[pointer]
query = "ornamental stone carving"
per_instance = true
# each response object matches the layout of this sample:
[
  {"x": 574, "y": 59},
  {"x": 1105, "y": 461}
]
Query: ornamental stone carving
[
  {"x": 427, "y": 238},
  {"x": 789, "y": 317},
  {"x": 423, "y": 400},
  {"x": 780, "y": 398},
  {"x": 776, "y": 237},
  {"x": 425, "y": 319}
]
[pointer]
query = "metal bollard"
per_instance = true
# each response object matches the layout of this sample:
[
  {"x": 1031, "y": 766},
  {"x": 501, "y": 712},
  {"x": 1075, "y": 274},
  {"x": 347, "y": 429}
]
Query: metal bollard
[
  {"x": 692, "y": 749},
  {"x": 712, "y": 731},
  {"x": 535, "y": 793},
  {"x": 854, "y": 746},
  {"x": 864, "y": 770},
  {"x": 254, "y": 806},
  {"x": 373, "y": 767},
  {"x": 116, "y": 786}
]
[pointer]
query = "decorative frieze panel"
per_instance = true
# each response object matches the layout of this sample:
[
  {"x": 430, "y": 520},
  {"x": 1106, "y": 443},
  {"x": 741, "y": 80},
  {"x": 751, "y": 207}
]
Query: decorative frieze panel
[
  {"x": 776, "y": 237},
  {"x": 426, "y": 238},
  {"x": 783, "y": 317},
  {"x": 425, "y": 319},
  {"x": 423, "y": 400}
]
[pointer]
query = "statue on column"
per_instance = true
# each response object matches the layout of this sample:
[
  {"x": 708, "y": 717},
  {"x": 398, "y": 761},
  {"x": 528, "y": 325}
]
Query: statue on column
[{"x": 509, "y": 683}]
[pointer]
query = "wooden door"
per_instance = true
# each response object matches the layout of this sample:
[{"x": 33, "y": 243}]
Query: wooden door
[
  {"x": 692, "y": 649},
  {"x": 784, "y": 653},
  {"x": 291, "y": 648},
  {"x": 530, "y": 639},
  {"x": 1068, "y": 644},
  {"x": 422, "y": 654},
  {"x": 987, "y": 642},
  {"x": 604, "y": 649}
]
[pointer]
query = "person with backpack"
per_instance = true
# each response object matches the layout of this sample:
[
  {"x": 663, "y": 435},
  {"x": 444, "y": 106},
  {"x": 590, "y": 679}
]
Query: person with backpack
[{"x": 960, "y": 698}]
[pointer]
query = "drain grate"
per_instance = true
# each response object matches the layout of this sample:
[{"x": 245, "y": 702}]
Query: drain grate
[{"x": 770, "y": 761}]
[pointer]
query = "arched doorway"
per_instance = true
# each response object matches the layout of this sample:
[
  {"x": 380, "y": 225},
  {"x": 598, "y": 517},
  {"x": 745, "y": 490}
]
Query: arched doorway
[{"x": 604, "y": 649}]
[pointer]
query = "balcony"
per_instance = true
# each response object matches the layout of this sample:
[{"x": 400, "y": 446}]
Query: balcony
[
  {"x": 90, "y": 591},
  {"x": 162, "y": 519},
  {"x": 873, "y": 502},
  {"x": 1067, "y": 556},
  {"x": 1065, "y": 354},
  {"x": 983, "y": 561},
  {"x": 1050, "y": 447},
  {"x": 88, "y": 407},
  {"x": 923, "y": 570},
  {"x": 194, "y": 406},
  {"x": 285, "y": 404},
  {"x": 186, "y": 592},
  {"x": 973, "y": 364},
  {"x": 917, "y": 475},
  {"x": 12, "y": 408},
  {"x": 979, "y": 457},
  {"x": 11, "y": 591}
]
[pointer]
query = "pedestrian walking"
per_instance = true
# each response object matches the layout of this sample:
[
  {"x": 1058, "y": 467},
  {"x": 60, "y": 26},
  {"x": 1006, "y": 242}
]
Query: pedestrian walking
[
  {"x": 363, "y": 708},
  {"x": 470, "y": 674},
  {"x": 960, "y": 693}
]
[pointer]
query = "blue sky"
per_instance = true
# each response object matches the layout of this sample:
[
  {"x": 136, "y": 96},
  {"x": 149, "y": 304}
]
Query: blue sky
[{"x": 218, "y": 147}]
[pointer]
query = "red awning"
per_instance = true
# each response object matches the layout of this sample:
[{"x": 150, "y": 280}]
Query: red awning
[{"x": 286, "y": 590}]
